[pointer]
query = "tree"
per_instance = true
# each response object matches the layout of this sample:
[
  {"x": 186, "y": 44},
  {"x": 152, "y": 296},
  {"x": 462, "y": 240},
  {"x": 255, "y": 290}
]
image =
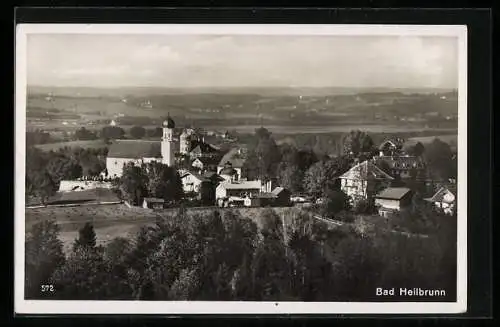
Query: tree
[
  {"x": 263, "y": 157},
  {"x": 186, "y": 286},
  {"x": 290, "y": 177},
  {"x": 207, "y": 193},
  {"x": 364, "y": 206},
  {"x": 132, "y": 183},
  {"x": 321, "y": 177},
  {"x": 43, "y": 185},
  {"x": 439, "y": 160},
  {"x": 416, "y": 149},
  {"x": 155, "y": 132},
  {"x": 112, "y": 132},
  {"x": 86, "y": 276},
  {"x": 86, "y": 237},
  {"x": 137, "y": 132},
  {"x": 62, "y": 167},
  {"x": 43, "y": 255},
  {"x": 335, "y": 202},
  {"x": 356, "y": 142},
  {"x": 84, "y": 134}
]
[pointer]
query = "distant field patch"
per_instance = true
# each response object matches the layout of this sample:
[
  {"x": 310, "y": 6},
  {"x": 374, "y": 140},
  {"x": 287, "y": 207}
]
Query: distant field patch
[
  {"x": 93, "y": 144},
  {"x": 450, "y": 139}
]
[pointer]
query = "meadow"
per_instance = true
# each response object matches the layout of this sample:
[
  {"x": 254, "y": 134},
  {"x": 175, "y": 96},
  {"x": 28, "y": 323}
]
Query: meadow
[{"x": 116, "y": 220}]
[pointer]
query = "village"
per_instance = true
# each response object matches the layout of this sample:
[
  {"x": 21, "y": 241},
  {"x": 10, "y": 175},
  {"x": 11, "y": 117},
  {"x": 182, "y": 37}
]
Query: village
[{"x": 220, "y": 178}]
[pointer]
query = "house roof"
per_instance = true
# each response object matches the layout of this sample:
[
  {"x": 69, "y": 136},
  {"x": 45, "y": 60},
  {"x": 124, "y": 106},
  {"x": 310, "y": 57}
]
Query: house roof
[
  {"x": 245, "y": 185},
  {"x": 277, "y": 190},
  {"x": 402, "y": 162},
  {"x": 393, "y": 193},
  {"x": 208, "y": 160},
  {"x": 386, "y": 143},
  {"x": 195, "y": 175},
  {"x": 197, "y": 146},
  {"x": 439, "y": 195},
  {"x": 135, "y": 149},
  {"x": 234, "y": 157},
  {"x": 154, "y": 200},
  {"x": 366, "y": 170},
  {"x": 263, "y": 195}
]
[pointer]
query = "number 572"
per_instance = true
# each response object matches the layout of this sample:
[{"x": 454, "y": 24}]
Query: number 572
[{"x": 47, "y": 288}]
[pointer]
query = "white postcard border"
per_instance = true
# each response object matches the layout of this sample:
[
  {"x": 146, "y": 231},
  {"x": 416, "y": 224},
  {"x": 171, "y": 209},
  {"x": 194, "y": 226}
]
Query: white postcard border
[{"x": 22, "y": 306}]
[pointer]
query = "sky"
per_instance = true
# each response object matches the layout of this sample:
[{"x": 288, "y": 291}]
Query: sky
[{"x": 241, "y": 61}]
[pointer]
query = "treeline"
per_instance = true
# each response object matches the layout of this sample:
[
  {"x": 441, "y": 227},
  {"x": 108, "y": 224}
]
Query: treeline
[
  {"x": 44, "y": 170},
  {"x": 228, "y": 257}
]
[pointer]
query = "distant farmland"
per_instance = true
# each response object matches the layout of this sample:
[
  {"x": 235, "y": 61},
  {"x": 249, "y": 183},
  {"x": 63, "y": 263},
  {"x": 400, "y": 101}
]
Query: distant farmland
[{"x": 93, "y": 144}]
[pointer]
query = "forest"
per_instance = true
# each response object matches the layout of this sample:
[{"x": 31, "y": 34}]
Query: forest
[{"x": 227, "y": 257}]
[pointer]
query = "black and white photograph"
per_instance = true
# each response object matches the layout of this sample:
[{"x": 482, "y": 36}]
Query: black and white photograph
[{"x": 240, "y": 169}]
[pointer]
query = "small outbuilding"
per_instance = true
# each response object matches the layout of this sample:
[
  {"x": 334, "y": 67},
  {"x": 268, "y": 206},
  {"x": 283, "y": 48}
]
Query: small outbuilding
[
  {"x": 153, "y": 203},
  {"x": 393, "y": 199}
]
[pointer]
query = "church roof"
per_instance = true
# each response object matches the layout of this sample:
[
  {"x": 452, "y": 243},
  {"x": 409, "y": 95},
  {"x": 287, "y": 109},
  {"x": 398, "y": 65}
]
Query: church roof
[
  {"x": 169, "y": 122},
  {"x": 135, "y": 149},
  {"x": 366, "y": 171}
]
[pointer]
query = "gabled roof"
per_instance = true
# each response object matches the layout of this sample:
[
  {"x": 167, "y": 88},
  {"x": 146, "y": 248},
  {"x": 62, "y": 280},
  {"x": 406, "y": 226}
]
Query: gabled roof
[
  {"x": 208, "y": 160},
  {"x": 195, "y": 175},
  {"x": 237, "y": 160},
  {"x": 393, "y": 193},
  {"x": 246, "y": 185},
  {"x": 198, "y": 146},
  {"x": 366, "y": 170},
  {"x": 440, "y": 194},
  {"x": 277, "y": 190},
  {"x": 135, "y": 149}
]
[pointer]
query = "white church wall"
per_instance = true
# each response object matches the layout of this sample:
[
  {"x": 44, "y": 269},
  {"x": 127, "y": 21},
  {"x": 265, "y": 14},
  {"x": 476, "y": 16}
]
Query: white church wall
[{"x": 115, "y": 165}]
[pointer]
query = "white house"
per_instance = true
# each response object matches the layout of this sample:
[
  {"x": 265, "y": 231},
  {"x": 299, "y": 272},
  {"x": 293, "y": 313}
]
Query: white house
[
  {"x": 191, "y": 181},
  {"x": 227, "y": 191},
  {"x": 445, "y": 199},
  {"x": 363, "y": 181}
]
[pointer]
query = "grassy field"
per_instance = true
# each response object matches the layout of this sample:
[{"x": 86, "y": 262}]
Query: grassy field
[
  {"x": 94, "y": 144},
  {"x": 451, "y": 138},
  {"x": 118, "y": 220}
]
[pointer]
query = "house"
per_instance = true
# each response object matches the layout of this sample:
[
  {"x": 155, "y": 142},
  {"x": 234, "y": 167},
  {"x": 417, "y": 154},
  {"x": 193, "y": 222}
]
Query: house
[
  {"x": 390, "y": 147},
  {"x": 403, "y": 166},
  {"x": 363, "y": 181},
  {"x": 227, "y": 191},
  {"x": 282, "y": 196},
  {"x": 236, "y": 157},
  {"x": 191, "y": 181},
  {"x": 206, "y": 163},
  {"x": 153, "y": 203},
  {"x": 228, "y": 173},
  {"x": 279, "y": 197},
  {"x": 393, "y": 199},
  {"x": 260, "y": 200},
  {"x": 444, "y": 199}
]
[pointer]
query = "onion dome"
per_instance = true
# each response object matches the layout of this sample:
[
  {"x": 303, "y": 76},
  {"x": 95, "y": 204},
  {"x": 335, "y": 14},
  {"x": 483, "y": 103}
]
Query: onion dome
[{"x": 169, "y": 122}]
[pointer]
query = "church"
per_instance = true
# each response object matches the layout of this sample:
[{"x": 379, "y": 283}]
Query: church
[{"x": 165, "y": 151}]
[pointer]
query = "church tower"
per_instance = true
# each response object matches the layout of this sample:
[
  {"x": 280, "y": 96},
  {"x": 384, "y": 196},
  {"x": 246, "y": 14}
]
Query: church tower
[{"x": 167, "y": 142}]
